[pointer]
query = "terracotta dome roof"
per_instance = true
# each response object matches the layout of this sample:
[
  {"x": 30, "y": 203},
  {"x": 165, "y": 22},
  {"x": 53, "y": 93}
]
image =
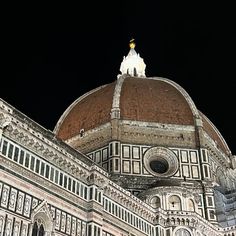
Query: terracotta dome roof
[
  {"x": 154, "y": 101},
  {"x": 89, "y": 111},
  {"x": 140, "y": 99}
]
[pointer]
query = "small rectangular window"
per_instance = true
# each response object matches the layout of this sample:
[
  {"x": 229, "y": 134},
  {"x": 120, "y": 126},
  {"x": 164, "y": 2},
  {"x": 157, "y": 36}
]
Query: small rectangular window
[
  {"x": 212, "y": 214},
  {"x": 116, "y": 164},
  {"x": 26, "y": 160},
  {"x": 116, "y": 148},
  {"x": 113, "y": 208},
  {"x": 42, "y": 168},
  {"x": 95, "y": 230},
  {"x": 105, "y": 204},
  {"x": 204, "y": 155},
  {"x": 77, "y": 188},
  {"x": 56, "y": 176},
  {"x": 100, "y": 197},
  {"x": 4, "y": 147},
  {"x": 69, "y": 183},
  {"x": 81, "y": 190},
  {"x": 37, "y": 166},
  {"x": 85, "y": 192},
  {"x": 65, "y": 181},
  {"x": 10, "y": 151},
  {"x": 90, "y": 230},
  {"x": 61, "y": 179},
  {"x": 210, "y": 202},
  {"x": 32, "y": 163},
  {"x": 110, "y": 149},
  {"x": 206, "y": 171},
  {"x": 73, "y": 186},
  {"x": 22, "y": 155},
  {"x": 16, "y": 154},
  {"x": 110, "y": 165},
  {"x": 52, "y": 174},
  {"x": 96, "y": 194},
  {"x": 47, "y": 171},
  {"x": 91, "y": 194}
]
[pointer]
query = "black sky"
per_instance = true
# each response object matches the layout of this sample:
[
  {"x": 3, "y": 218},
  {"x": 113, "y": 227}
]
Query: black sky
[{"x": 54, "y": 54}]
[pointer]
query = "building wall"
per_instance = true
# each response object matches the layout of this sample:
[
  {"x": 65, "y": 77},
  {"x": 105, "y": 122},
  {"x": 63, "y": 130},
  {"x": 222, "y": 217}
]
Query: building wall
[{"x": 45, "y": 181}]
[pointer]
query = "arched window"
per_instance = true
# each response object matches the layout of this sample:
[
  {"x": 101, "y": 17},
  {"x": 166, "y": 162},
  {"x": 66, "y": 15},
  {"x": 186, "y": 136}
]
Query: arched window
[
  {"x": 41, "y": 230},
  {"x": 35, "y": 229},
  {"x": 174, "y": 203},
  {"x": 38, "y": 229},
  {"x": 182, "y": 232},
  {"x": 191, "y": 205},
  {"x": 155, "y": 202}
]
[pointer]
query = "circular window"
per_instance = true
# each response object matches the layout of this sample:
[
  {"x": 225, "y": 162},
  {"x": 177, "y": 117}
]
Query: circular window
[
  {"x": 159, "y": 165},
  {"x": 160, "y": 161}
]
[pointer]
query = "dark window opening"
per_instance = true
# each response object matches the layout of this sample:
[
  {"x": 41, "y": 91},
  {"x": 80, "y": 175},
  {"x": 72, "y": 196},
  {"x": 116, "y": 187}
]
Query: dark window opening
[
  {"x": 37, "y": 166},
  {"x": 159, "y": 166},
  {"x": 27, "y": 160},
  {"x": 47, "y": 171},
  {"x": 206, "y": 171},
  {"x": 32, "y": 163},
  {"x": 10, "y": 151},
  {"x": 41, "y": 230},
  {"x": 4, "y": 148},
  {"x": 35, "y": 229},
  {"x": 116, "y": 148},
  {"x": 38, "y": 231},
  {"x": 22, "y": 154},
  {"x": 16, "y": 153},
  {"x": 42, "y": 169}
]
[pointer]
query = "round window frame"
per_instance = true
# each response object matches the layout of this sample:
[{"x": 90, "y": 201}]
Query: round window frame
[{"x": 160, "y": 153}]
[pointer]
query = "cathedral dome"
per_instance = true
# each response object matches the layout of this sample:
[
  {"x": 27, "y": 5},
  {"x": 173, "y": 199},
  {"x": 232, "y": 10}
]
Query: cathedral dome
[
  {"x": 151, "y": 100},
  {"x": 136, "y": 99},
  {"x": 140, "y": 99}
]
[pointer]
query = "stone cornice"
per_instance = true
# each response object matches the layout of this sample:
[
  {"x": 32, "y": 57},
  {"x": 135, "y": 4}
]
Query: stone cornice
[{"x": 214, "y": 151}]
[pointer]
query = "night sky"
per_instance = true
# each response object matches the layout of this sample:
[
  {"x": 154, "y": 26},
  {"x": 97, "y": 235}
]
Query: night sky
[{"x": 52, "y": 54}]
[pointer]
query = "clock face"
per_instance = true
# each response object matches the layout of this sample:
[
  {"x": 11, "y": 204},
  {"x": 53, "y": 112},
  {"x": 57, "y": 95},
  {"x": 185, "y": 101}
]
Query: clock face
[{"x": 182, "y": 232}]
